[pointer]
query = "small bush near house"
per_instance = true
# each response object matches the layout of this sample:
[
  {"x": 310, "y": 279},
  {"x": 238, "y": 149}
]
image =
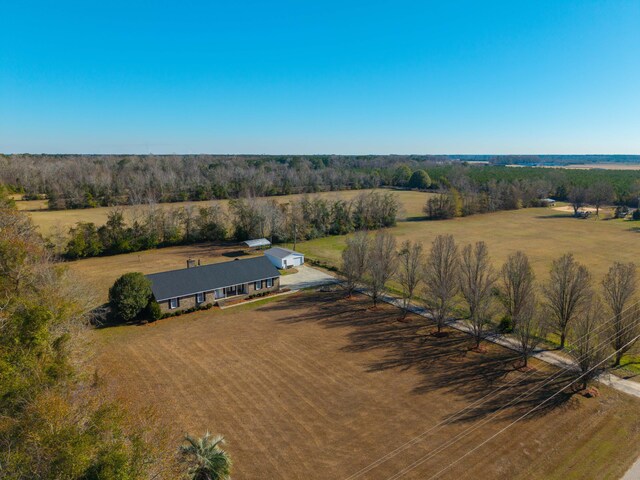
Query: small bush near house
[
  {"x": 153, "y": 312},
  {"x": 636, "y": 214}
]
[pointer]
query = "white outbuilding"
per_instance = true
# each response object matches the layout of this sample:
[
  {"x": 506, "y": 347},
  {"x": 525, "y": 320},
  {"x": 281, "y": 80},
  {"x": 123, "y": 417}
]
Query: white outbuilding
[{"x": 284, "y": 258}]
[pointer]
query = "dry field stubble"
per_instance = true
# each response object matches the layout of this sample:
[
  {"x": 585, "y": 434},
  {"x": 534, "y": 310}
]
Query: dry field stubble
[
  {"x": 49, "y": 221},
  {"x": 542, "y": 233},
  {"x": 315, "y": 386}
]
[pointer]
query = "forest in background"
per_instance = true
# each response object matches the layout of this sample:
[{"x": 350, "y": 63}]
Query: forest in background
[{"x": 85, "y": 181}]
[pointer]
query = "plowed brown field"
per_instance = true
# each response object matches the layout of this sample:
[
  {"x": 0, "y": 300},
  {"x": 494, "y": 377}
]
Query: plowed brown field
[{"x": 314, "y": 386}]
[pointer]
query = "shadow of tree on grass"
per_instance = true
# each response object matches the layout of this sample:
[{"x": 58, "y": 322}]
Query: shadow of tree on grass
[{"x": 487, "y": 381}]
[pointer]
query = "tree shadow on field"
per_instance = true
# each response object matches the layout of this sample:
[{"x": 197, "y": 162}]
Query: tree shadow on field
[
  {"x": 487, "y": 381},
  {"x": 556, "y": 216}
]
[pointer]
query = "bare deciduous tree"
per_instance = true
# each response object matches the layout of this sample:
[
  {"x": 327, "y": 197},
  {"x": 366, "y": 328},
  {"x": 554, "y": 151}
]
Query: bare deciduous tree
[
  {"x": 588, "y": 350},
  {"x": 619, "y": 287},
  {"x": 354, "y": 260},
  {"x": 517, "y": 283},
  {"x": 382, "y": 264},
  {"x": 599, "y": 194},
  {"x": 567, "y": 292},
  {"x": 441, "y": 278},
  {"x": 409, "y": 271},
  {"x": 477, "y": 278},
  {"x": 530, "y": 329},
  {"x": 578, "y": 198}
]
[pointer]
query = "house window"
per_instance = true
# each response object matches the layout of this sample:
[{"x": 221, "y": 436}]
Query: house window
[
  {"x": 258, "y": 285},
  {"x": 200, "y": 297},
  {"x": 173, "y": 303},
  {"x": 269, "y": 282}
]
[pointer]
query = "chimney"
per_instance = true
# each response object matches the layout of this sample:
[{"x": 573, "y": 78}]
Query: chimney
[{"x": 191, "y": 263}]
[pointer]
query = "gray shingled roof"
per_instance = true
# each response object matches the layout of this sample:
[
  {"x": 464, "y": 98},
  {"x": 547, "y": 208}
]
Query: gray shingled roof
[
  {"x": 281, "y": 253},
  {"x": 189, "y": 281}
]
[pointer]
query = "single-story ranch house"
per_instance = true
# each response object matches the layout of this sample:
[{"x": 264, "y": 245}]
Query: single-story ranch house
[
  {"x": 190, "y": 287},
  {"x": 284, "y": 258}
]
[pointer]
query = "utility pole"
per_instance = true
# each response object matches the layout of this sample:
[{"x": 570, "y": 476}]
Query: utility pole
[{"x": 295, "y": 232}]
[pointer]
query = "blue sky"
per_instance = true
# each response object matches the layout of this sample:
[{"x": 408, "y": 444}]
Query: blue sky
[{"x": 320, "y": 77}]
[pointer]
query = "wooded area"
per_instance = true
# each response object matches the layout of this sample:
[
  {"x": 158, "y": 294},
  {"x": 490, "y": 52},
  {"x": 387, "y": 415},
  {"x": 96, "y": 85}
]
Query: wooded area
[{"x": 85, "y": 181}]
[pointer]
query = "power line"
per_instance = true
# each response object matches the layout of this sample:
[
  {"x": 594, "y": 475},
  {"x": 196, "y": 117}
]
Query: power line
[
  {"x": 526, "y": 414},
  {"x": 478, "y": 402},
  {"x": 469, "y": 430}
]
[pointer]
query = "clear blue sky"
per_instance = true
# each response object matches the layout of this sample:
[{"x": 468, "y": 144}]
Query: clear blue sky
[{"x": 320, "y": 77}]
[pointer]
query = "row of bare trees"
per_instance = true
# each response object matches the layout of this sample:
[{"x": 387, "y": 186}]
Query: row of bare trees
[
  {"x": 463, "y": 281},
  {"x": 155, "y": 225}
]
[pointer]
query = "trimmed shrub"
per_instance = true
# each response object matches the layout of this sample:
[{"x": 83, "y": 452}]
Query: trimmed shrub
[{"x": 129, "y": 296}]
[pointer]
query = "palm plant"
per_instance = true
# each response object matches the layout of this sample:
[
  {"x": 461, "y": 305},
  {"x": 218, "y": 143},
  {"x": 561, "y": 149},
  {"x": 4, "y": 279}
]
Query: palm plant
[{"x": 206, "y": 458}]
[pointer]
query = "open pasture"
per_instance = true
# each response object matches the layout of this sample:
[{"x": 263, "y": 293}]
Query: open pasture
[
  {"x": 49, "y": 221},
  {"x": 542, "y": 233},
  {"x": 316, "y": 386}
]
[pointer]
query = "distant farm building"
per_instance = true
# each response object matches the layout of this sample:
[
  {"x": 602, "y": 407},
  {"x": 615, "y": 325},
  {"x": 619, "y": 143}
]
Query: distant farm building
[
  {"x": 258, "y": 243},
  {"x": 199, "y": 285},
  {"x": 284, "y": 258},
  {"x": 547, "y": 202}
]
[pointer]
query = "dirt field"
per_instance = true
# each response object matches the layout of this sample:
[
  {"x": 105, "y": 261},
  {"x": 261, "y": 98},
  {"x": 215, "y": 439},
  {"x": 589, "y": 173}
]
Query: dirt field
[
  {"x": 48, "y": 221},
  {"x": 314, "y": 386},
  {"x": 605, "y": 166},
  {"x": 569, "y": 209}
]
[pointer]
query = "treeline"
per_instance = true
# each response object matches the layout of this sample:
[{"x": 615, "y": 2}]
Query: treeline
[
  {"x": 56, "y": 422},
  {"x": 85, "y": 181},
  {"x": 598, "y": 324},
  {"x": 557, "y": 183},
  {"x": 154, "y": 226}
]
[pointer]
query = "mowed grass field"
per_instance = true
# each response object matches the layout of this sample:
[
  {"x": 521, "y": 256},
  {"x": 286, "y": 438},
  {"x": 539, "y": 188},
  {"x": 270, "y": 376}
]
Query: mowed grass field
[
  {"x": 316, "y": 386},
  {"x": 49, "y": 221},
  {"x": 542, "y": 233}
]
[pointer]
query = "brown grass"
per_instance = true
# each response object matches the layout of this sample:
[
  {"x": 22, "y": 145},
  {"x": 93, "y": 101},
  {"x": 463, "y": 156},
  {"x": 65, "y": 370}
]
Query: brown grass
[
  {"x": 314, "y": 386},
  {"x": 101, "y": 272},
  {"x": 542, "y": 233}
]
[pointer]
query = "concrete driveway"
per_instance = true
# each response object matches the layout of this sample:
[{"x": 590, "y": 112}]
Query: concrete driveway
[{"x": 306, "y": 277}]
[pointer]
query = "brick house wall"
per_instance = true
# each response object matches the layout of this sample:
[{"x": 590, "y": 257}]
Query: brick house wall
[{"x": 189, "y": 301}]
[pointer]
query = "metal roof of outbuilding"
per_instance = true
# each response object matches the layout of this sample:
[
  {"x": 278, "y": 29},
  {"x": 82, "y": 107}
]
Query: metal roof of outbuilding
[
  {"x": 258, "y": 242},
  {"x": 279, "y": 252}
]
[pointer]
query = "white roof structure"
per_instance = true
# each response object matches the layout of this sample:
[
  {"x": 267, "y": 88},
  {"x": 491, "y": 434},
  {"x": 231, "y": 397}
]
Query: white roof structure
[{"x": 258, "y": 242}]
